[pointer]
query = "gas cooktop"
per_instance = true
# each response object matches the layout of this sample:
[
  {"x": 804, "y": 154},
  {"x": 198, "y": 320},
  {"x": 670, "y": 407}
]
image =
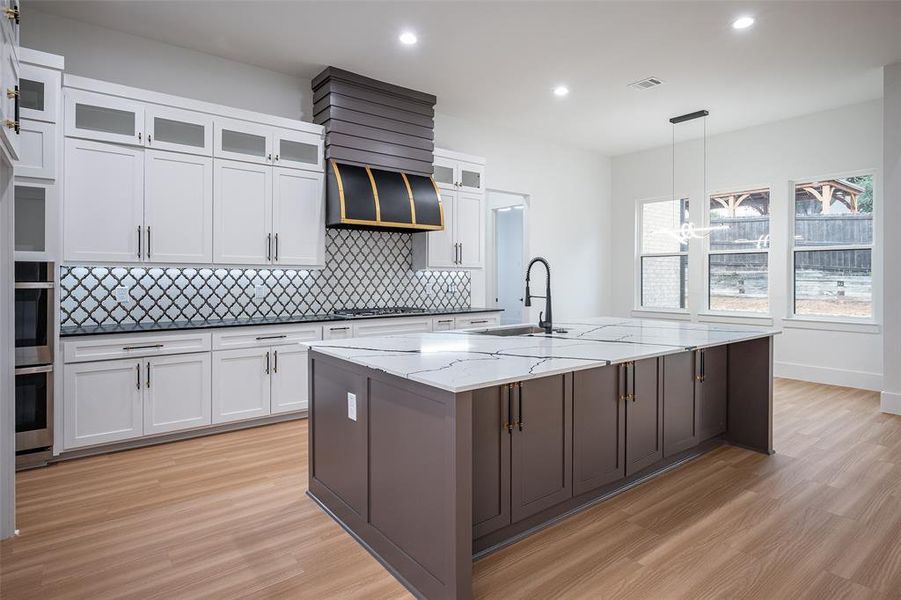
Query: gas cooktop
[{"x": 379, "y": 312}]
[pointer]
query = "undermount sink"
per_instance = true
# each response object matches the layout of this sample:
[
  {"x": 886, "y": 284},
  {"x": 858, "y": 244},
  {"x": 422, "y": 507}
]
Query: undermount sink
[{"x": 511, "y": 331}]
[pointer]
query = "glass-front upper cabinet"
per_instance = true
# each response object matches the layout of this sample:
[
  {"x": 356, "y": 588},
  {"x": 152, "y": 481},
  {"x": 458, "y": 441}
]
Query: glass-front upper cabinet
[
  {"x": 297, "y": 149},
  {"x": 35, "y": 215},
  {"x": 104, "y": 118},
  {"x": 241, "y": 140},
  {"x": 470, "y": 176},
  {"x": 444, "y": 173},
  {"x": 179, "y": 130},
  {"x": 38, "y": 94}
]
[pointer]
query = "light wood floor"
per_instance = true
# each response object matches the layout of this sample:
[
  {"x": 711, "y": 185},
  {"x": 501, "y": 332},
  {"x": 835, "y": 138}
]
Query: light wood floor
[{"x": 226, "y": 517}]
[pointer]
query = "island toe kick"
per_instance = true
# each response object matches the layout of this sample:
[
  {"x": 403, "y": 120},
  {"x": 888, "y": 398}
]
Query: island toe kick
[{"x": 427, "y": 479}]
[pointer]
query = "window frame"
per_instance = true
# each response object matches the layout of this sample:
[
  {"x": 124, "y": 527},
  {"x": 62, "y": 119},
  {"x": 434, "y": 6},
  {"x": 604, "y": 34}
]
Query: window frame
[
  {"x": 638, "y": 307},
  {"x": 707, "y": 252},
  {"x": 867, "y": 324}
]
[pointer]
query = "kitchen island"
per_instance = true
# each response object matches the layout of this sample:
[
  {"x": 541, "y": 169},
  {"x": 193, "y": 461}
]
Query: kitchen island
[{"x": 432, "y": 449}]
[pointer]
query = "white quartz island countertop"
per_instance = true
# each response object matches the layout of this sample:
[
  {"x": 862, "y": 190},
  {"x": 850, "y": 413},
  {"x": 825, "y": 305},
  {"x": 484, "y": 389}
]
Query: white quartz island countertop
[{"x": 458, "y": 361}]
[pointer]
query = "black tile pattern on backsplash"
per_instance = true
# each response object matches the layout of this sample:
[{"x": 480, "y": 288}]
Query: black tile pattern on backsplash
[{"x": 363, "y": 269}]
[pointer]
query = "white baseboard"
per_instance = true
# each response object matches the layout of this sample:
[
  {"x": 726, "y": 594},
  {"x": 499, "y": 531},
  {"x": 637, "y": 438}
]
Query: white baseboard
[
  {"x": 890, "y": 403},
  {"x": 856, "y": 379}
]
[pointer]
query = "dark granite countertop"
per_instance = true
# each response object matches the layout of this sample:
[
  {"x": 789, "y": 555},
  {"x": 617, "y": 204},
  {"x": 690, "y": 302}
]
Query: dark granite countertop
[{"x": 217, "y": 323}]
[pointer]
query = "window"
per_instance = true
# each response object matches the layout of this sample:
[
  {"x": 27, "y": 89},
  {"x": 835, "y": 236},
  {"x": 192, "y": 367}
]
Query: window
[
  {"x": 833, "y": 248},
  {"x": 663, "y": 254},
  {"x": 738, "y": 251}
]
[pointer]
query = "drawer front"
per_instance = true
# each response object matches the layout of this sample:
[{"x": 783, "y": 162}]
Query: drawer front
[
  {"x": 109, "y": 347},
  {"x": 443, "y": 323},
  {"x": 258, "y": 337},
  {"x": 481, "y": 320},
  {"x": 392, "y": 327}
]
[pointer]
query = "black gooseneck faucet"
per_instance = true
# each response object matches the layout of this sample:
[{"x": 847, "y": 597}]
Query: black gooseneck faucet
[{"x": 547, "y": 325}]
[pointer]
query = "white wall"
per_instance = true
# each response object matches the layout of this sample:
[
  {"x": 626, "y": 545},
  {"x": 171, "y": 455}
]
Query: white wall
[
  {"x": 569, "y": 192},
  {"x": 101, "y": 53},
  {"x": 891, "y": 394},
  {"x": 832, "y": 142}
]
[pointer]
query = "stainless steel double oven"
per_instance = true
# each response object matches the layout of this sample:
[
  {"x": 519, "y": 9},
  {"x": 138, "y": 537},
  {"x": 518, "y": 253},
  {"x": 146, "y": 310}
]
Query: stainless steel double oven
[{"x": 34, "y": 327}]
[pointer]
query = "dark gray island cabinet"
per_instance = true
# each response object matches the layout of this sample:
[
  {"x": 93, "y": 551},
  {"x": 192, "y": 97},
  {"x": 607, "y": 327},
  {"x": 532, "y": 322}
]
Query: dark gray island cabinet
[{"x": 427, "y": 478}]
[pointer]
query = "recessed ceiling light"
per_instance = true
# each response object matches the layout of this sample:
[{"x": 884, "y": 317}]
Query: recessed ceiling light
[
  {"x": 742, "y": 22},
  {"x": 561, "y": 90},
  {"x": 408, "y": 38}
]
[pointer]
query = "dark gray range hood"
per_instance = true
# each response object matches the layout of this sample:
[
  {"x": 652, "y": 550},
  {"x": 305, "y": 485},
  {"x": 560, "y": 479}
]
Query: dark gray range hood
[{"x": 378, "y": 146}]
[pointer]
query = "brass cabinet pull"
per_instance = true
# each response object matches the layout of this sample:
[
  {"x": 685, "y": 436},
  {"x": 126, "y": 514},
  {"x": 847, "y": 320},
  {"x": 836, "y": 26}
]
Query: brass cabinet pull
[
  {"x": 12, "y": 93},
  {"x": 12, "y": 14},
  {"x": 10, "y": 124}
]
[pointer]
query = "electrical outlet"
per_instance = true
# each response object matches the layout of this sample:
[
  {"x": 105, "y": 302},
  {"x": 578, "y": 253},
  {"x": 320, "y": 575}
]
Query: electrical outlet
[
  {"x": 450, "y": 288},
  {"x": 259, "y": 292},
  {"x": 122, "y": 295},
  {"x": 351, "y": 406}
]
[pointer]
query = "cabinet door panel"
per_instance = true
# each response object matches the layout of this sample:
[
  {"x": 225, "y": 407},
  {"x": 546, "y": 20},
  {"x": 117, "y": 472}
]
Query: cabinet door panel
[
  {"x": 297, "y": 222},
  {"x": 37, "y": 150},
  {"x": 490, "y": 460},
  {"x": 680, "y": 409},
  {"x": 541, "y": 445},
  {"x": 104, "y": 202},
  {"x": 644, "y": 431},
  {"x": 469, "y": 229},
  {"x": 471, "y": 176},
  {"x": 242, "y": 205},
  {"x": 104, "y": 118},
  {"x": 290, "y": 379},
  {"x": 38, "y": 93},
  {"x": 9, "y": 80},
  {"x": 244, "y": 141},
  {"x": 599, "y": 422},
  {"x": 241, "y": 384},
  {"x": 178, "y": 208},
  {"x": 442, "y": 251},
  {"x": 179, "y": 130},
  {"x": 444, "y": 172},
  {"x": 177, "y": 392},
  {"x": 297, "y": 149},
  {"x": 712, "y": 392},
  {"x": 103, "y": 402}
]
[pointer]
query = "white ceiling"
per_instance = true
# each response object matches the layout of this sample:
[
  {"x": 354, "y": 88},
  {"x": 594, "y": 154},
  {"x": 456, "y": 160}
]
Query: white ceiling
[{"x": 497, "y": 62}]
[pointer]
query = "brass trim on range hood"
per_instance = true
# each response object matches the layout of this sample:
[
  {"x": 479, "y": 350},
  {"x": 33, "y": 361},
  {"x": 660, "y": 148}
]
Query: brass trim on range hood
[{"x": 354, "y": 196}]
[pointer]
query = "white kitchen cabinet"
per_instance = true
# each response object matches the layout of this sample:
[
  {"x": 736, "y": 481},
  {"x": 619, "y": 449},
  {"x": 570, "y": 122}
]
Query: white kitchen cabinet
[
  {"x": 37, "y": 150},
  {"x": 177, "y": 392},
  {"x": 443, "y": 323},
  {"x": 178, "y": 130},
  {"x": 242, "y": 209},
  {"x": 298, "y": 226},
  {"x": 241, "y": 384},
  {"x": 460, "y": 181},
  {"x": 178, "y": 208},
  {"x": 297, "y": 149},
  {"x": 393, "y": 326},
  {"x": 11, "y": 17},
  {"x": 476, "y": 320},
  {"x": 39, "y": 94},
  {"x": 104, "y": 118},
  {"x": 242, "y": 140},
  {"x": 36, "y": 218},
  {"x": 9, "y": 99},
  {"x": 103, "y": 402},
  {"x": 104, "y": 202},
  {"x": 290, "y": 379},
  {"x": 469, "y": 228}
]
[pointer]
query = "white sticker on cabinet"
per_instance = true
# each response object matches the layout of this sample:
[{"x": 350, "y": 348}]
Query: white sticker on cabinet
[{"x": 351, "y": 406}]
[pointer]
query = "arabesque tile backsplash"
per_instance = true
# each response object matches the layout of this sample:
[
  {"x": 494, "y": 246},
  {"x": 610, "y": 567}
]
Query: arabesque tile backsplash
[{"x": 362, "y": 269}]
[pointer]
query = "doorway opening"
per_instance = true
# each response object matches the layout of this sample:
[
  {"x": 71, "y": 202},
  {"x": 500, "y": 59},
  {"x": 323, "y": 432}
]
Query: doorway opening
[{"x": 509, "y": 223}]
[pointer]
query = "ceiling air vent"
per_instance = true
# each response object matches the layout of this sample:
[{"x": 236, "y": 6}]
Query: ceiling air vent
[{"x": 646, "y": 83}]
